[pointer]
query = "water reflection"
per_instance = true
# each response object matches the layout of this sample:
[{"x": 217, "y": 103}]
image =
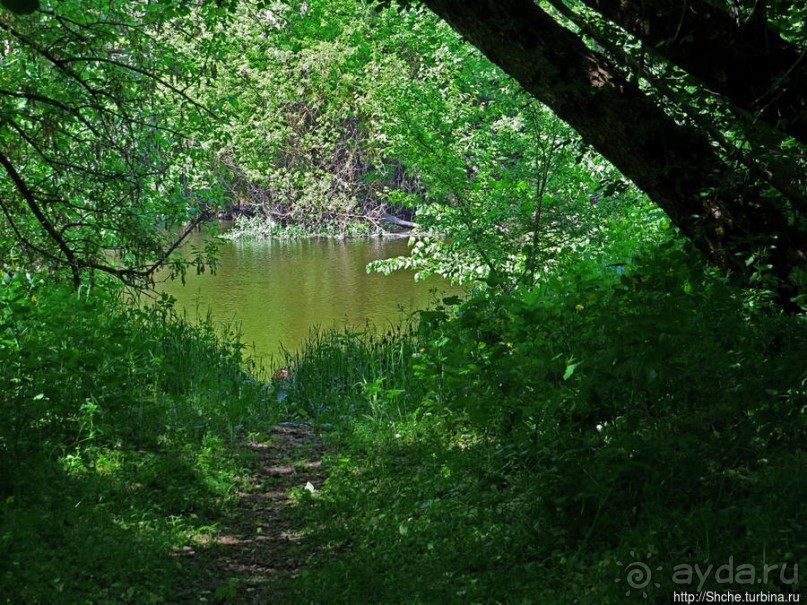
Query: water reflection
[{"x": 278, "y": 290}]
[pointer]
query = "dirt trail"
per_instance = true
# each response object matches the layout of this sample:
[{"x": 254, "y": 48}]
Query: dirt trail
[{"x": 258, "y": 541}]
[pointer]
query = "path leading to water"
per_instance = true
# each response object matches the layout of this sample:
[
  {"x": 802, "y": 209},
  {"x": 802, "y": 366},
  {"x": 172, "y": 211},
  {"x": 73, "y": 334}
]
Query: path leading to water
[{"x": 258, "y": 543}]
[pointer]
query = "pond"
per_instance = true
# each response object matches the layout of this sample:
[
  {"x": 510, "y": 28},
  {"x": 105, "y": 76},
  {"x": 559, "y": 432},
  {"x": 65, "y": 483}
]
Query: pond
[{"x": 278, "y": 290}]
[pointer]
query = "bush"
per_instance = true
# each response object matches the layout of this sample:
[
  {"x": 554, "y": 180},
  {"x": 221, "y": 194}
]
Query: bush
[
  {"x": 112, "y": 441},
  {"x": 655, "y": 407},
  {"x": 552, "y": 437}
]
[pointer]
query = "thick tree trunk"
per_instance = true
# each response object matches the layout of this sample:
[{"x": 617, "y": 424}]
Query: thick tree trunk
[
  {"x": 747, "y": 63},
  {"x": 674, "y": 164}
]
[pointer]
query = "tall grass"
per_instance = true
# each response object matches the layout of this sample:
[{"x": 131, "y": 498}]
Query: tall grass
[
  {"x": 343, "y": 373},
  {"x": 113, "y": 442}
]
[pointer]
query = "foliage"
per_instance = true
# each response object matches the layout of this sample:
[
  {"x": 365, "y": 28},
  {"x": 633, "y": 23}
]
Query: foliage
[
  {"x": 537, "y": 439},
  {"x": 114, "y": 442},
  {"x": 342, "y": 374},
  {"x": 99, "y": 141},
  {"x": 295, "y": 136},
  {"x": 256, "y": 228},
  {"x": 700, "y": 104},
  {"x": 509, "y": 187},
  {"x": 337, "y": 116}
]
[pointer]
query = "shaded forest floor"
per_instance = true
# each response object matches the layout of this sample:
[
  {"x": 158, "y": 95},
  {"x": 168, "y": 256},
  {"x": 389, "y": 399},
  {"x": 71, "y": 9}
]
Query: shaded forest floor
[
  {"x": 536, "y": 448},
  {"x": 257, "y": 544}
]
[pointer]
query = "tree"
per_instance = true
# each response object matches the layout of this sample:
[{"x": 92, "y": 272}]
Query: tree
[
  {"x": 698, "y": 153},
  {"x": 739, "y": 58},
  {"x": 296, "y": 134},
  {"x": 101, "y": 170},
  {"x": 507, "y": 185}
]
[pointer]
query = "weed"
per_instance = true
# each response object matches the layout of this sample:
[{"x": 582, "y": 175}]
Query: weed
[
  {"x": 517, "y": 447},
  {"x": 115, "y": 444}
]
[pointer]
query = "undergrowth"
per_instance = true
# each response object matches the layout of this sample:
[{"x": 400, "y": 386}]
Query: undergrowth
[
  {"x": 530, "y": 446},
  {"x": 266, "y": 228},
  {"x": 115, "y": 443},
  {"x": 541, "y": 446}
]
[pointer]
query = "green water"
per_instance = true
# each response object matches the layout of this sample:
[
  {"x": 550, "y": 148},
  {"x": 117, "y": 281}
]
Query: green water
[{"x": 277, "y": 291}]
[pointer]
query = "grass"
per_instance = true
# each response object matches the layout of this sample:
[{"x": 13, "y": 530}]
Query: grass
[
  {"x": 115, "y": 446},
  {"x": 342, "y": 374},
  {"x": 263, "y": 228},
  {"x": 523, "y": 447},
  {"x": 471, "y": 465}
]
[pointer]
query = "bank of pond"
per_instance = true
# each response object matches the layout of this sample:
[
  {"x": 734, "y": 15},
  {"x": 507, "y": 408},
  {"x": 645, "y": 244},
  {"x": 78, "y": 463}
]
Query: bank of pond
[
  {"x": 275, "y": 291},
  {"x": 526, "y": 447}
]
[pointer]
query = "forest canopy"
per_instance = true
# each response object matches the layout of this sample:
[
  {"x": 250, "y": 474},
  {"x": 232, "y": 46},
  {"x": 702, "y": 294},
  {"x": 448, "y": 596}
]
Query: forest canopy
[{"x": 715, "y": 94}]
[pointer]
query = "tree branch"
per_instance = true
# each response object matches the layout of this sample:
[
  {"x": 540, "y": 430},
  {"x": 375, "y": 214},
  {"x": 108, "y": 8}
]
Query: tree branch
[
  {"x": 752, "y": 67},
  {"x": 30, "y": 200}
]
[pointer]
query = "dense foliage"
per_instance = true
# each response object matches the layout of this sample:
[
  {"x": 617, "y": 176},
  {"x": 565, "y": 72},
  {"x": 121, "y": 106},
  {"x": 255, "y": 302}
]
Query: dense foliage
[
  {"x": 701, "y": 104},
  {"x": 113, "y": 442},
  {"x": 538, "y": 445},
  {"x": 298, "y": 138},
  {"x": 339, "y": 117},
  {"x": 603, "y": 397}
]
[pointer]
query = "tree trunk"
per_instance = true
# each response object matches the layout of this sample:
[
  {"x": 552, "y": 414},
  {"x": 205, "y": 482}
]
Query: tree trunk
[
  {"x": 747, "y": 63},
  {"x": 674, "y": 164}
]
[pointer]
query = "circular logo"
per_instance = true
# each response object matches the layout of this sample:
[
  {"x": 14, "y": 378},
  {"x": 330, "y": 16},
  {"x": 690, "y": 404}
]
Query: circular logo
[{"x": 638, "y": 575}]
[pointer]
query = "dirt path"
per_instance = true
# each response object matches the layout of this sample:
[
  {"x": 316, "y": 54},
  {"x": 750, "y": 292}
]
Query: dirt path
[{"x": 258, "y": 541}]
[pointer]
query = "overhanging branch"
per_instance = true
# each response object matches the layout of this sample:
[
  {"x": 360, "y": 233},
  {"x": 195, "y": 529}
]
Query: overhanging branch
[{"x": 30, "y": 199}]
